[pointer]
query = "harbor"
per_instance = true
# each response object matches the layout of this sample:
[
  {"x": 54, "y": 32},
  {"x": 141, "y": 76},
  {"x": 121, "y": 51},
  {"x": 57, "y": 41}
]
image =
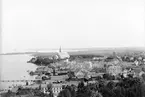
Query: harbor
[{"x": 64, "y": 70}]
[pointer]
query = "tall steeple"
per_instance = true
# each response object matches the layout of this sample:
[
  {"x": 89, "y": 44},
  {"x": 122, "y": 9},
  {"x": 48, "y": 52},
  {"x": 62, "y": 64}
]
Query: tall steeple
[{"x": 60, "y": 49}]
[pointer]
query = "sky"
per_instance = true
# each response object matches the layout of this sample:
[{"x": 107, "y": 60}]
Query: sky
[{"x": 34, "y": 24}]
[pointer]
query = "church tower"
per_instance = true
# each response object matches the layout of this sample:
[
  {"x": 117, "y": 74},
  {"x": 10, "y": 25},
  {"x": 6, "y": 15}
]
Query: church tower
[{"x": 60, "y": 49}]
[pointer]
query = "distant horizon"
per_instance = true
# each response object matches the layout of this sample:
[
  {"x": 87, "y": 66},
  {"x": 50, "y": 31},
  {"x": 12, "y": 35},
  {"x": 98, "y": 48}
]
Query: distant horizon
[
  {"x": 50, "y": 24},
  {"x": 74, "y": 49},
  {"x": 86, "y": 47}
]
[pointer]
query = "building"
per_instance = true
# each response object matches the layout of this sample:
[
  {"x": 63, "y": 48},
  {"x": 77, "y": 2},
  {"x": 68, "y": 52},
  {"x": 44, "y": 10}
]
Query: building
[
  {"x": 15, "y": 89},
  {"x": 62, "y": 55},
  {"x": 79, "y": 74},
  {"x": 136, "y": 63},
  {"x": 56, "y": 90},
  {"x": 40, "y": 68},
  {"x": 114, "y": 70}
]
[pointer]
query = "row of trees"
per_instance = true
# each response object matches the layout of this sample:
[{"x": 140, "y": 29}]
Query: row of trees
[
  {"x": 128, "y": 87},
  {"x": 132, "y": 58},
  {"x": 42, "y": 60}
]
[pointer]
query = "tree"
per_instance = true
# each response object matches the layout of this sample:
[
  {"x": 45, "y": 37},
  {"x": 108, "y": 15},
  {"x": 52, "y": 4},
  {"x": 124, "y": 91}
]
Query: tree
[
  {"x": 49, "y": 89},
  {"x": 64, "y": 93},
  {"x": 81, "y": 85},
  {"x": 49, "y": 86},
  {"x": 71, "y": 74}
]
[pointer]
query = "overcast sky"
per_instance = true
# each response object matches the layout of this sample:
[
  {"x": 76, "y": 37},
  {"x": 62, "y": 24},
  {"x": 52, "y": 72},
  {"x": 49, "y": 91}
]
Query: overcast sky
[{"x": 30, "y": 24}]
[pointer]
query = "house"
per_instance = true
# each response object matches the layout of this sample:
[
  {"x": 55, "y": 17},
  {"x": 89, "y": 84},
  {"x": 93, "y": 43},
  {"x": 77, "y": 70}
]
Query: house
[
  {"x": 15, "y": 89},
  {"x": 136, "y": 63},
  {"x": 40, "y": 68},
  {"x": 114, "y": 70},
  {"x": 56, "y": 90},
  {"x": 86, "y": 65},
  {"x": 141, "y": 73},
  {"x": 47, "y": 69},
  {"x": 140, "y": 58},
  {"x": 137, "y": 70},
  {"x": 131, "y": 58},
  {"x": 79, "y": 74}
]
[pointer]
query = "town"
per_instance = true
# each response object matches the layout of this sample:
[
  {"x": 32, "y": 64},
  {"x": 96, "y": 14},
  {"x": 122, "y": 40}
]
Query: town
[{"x": 84, "y": 75}]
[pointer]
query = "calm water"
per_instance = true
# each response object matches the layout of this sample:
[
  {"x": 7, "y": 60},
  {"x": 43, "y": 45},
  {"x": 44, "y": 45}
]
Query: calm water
[{"x": 15, "y": 67}]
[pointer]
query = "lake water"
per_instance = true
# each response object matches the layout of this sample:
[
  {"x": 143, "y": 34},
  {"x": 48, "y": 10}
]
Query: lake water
[{"x": 15, "y": 67}]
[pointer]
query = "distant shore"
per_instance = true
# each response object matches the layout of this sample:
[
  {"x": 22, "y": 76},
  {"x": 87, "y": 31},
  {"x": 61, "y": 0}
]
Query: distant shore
[
  {"x": 17, "y": 53},
  {"x": 83, "y": 50}
]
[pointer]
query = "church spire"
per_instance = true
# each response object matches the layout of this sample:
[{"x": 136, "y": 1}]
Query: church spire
[{"x": 60, "y": 49}]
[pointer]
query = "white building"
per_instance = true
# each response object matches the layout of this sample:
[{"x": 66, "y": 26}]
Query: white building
[
  {"x": 136, "y": 63},
  {"x": 56, "y": 90},
  {"x": 63, "y": 55}
]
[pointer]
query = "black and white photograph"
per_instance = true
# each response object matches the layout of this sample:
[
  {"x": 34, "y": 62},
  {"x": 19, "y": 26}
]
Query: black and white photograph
[{"x": 72, "y": 48}]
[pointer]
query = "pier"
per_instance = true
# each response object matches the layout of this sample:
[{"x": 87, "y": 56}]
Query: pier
[{"x": 17, "y": 80}]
